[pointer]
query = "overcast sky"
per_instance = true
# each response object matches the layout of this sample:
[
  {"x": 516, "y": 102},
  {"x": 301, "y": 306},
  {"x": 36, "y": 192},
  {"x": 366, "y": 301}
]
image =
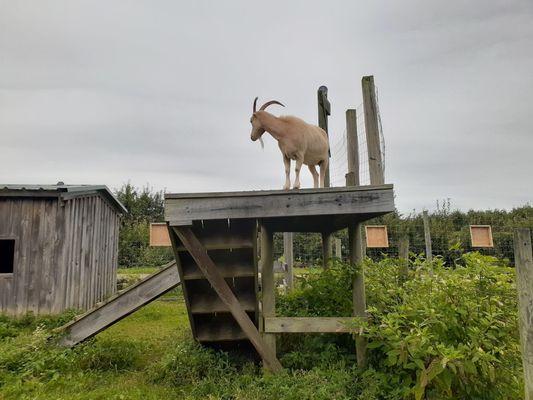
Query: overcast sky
[{"x": 160, "y": 92}]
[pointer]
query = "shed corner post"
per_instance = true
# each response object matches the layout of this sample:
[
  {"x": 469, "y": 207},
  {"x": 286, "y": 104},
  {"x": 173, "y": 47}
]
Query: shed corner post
[{"x": 524, "y": 282}]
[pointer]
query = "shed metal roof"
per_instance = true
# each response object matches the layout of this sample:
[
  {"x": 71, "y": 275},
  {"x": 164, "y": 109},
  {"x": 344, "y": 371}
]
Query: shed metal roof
[{"x": 60, "y": 190}]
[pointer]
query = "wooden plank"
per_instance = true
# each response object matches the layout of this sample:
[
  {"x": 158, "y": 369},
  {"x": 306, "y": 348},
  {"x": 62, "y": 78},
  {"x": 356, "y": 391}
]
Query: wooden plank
[
  {"x": 308, "y": 324},
  {"x": 427, "y": 238},
  {"x": 210, "y": 271},
  {"x": 230, "y": 263},
  {"x": 119, "y": 306},
  {"x": 352, "y": 146},
  {"x": 284, "y": 204},
  {"x": 375, "y": 163},
  {"x": 268, "y": 283},
  {"x": 355, "y": 242},
  {"x": 524, "y": 273}
]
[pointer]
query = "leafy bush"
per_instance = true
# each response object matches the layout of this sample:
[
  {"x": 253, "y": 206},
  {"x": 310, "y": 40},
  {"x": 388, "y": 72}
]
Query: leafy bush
[{"x": 445, "y": 333}]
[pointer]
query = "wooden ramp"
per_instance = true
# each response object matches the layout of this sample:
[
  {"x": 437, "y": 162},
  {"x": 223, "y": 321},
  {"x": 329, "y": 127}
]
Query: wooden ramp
[{"x": 120, "y": 306}]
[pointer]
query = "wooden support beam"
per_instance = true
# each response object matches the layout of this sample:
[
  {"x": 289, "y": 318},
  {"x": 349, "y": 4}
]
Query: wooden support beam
[
  {"x": 359, "y": 297},
  {"x": 524, "y": 273},
  {"x": 288, "y": 255},
  {"x": 208, "y": 267},
  {"x": 268, "y": 283},
  {"x": 375, "y": 162},
  {"x": 308, "y": 324}
]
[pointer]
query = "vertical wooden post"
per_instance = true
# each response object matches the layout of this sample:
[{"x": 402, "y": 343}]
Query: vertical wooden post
[
  {"x": 403, "y": 256},
  {"x": 324, "y": 110},
  {"x": 289, "y": 258},
  {"x": 524, "y": 282},
  {"x": 358, "y": 290},
  {"x": 375, "y": 162},
  {"x": 427, "y": 237},
  {"x": 352, "y": 177},
  {"x": 338, "y": 248},
  {"x": 355, "y": 238},
  {"x": 326, "y": 249},
  {"x": 268, "y": 284}
]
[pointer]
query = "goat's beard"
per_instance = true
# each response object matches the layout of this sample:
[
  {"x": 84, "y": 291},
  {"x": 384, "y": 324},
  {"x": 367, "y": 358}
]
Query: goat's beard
[{"x": 262, "y": 143}]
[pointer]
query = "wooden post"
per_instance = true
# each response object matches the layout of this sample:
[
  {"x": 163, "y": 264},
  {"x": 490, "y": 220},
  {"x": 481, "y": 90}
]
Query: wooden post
[
  {"x": 375, "y": 162},
  {"x": 268, "y": 284},
  {"x": 524, "y": 282},
  {"x": 324, "y": 110},
  {"x": 355, "y": 238},
  {"x": 427, "y": 237},
  {"x": 326, "y": 249},
  {"x": 289, "y": 258},
  {"x": 338, "y": 248},
  {"x": 403, "y": 256},
  {"x": 352, "y": 177},
  {"x": 359, "y": 297}
]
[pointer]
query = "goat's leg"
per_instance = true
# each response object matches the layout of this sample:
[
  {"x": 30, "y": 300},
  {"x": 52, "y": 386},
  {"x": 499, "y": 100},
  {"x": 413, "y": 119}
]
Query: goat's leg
[
  {"x": 299, "y": 162},
  {"x": 323, "y": 167},
  {"x": 312, "y": 168},
  {"x": 287, "y": 162}
]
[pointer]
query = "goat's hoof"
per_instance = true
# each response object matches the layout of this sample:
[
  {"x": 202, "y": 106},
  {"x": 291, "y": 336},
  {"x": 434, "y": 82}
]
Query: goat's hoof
[
  {"x": 296, "y": 187},
  {"x": 286, "y": 187}
]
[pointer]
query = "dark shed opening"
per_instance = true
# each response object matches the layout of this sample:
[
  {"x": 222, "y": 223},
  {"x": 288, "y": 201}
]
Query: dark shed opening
[{"x": 7, "y": 255}]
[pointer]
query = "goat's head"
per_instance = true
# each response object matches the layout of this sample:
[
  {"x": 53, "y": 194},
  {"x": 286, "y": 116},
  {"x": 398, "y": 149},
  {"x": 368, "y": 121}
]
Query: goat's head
[{"x": 257, "y": 126}]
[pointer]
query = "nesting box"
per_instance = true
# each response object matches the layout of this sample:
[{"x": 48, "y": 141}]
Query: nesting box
[
  {"x": 159, "y": 235},
  {"x": 481, "y": 236},
  {"x": 376, "y": 236}
]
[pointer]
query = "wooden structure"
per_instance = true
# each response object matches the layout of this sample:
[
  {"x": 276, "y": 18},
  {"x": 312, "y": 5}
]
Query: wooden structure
[
  {"x": 524, "y": 283},
  {"x": 120, "y": 305},
  {"x": 376, "y": 236},
  {"x": 481, "y": 236},
  {"x": 58, "y": 247},
  {"x": 214, "y": 237}
]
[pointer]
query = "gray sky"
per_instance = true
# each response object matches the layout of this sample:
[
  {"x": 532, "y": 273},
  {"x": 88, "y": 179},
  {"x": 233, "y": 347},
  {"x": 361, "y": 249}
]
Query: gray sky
[{"x": 161, "y": 92}]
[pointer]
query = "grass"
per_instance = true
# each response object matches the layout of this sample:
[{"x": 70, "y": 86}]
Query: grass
[{"x": 137, "y": 270}]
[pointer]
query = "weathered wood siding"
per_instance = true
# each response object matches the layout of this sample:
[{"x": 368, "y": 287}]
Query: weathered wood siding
[{"x": 65, "y": 253}]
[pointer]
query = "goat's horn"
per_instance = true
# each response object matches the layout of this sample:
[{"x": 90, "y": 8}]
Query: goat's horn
[
  {"x": 269, "y": 103},
  {"x": 255, "y": 103}
]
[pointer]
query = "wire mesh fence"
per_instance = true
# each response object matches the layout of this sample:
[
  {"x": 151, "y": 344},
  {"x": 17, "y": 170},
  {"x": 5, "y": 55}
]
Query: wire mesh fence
[{"x": 449, "y": 240}]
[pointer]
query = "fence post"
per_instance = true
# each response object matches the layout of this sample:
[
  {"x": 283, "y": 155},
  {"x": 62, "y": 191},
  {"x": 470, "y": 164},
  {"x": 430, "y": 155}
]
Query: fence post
[
  {"x": 352, "y": 145},
  {"x": 403, "y": 256},
  {"x": 524, "y": 283},
  {"x": 324, "y": 110},
  {"x": 338, "y": 248},
  {"x": 427, "y": 239},
  {"x": 268, "y": 284},
  {"x": 375, "y": 162},
  {"x": 355, "y": 238},
  {"x": 289, "y": 258}
]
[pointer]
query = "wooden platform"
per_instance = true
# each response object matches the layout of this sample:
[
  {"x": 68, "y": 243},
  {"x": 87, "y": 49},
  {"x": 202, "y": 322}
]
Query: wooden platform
[
  {"x": 214, "y": 237},
  {"x": 305, "y": 210}
]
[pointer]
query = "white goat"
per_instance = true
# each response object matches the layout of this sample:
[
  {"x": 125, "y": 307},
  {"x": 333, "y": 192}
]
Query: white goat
[{"x": 305, "y": 143}]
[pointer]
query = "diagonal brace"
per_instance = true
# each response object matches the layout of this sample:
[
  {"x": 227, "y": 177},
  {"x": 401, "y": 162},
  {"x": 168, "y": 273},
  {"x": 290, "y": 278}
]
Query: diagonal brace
[{"x": 217, "y": 281}]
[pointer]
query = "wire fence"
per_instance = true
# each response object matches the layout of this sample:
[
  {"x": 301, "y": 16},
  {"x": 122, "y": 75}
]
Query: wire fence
[{"x": 449, "y": 245}]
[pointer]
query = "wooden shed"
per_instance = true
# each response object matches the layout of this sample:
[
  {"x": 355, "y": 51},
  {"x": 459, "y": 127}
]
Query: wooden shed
[{"x": 58, "y": 247}]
